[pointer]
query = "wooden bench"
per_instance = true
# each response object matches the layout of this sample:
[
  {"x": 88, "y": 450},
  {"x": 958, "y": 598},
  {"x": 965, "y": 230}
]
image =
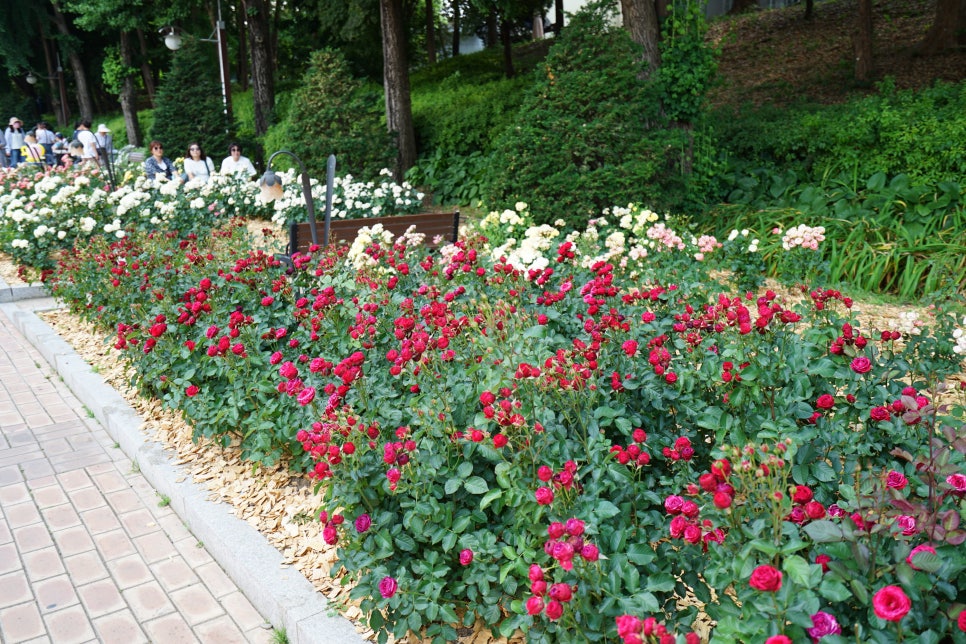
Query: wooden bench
[{"x": 443, "y": 225}]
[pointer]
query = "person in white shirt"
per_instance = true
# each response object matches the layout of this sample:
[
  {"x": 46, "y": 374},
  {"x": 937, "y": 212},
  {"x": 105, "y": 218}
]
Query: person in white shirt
[
  {"x": 104, "y": 139},
  {"x": 197, "y": 165},
  {"x": 47, "y": 139},
  {"x": 236, "y": 164},
  {"x": 88, "y": 141}
]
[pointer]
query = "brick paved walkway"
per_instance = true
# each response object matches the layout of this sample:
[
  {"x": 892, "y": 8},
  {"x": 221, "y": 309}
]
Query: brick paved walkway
[{"x": 88, "y": 552}]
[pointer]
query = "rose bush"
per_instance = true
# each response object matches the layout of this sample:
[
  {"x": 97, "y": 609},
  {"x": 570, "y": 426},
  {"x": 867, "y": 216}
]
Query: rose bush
[{"x": 581, "y": 435}]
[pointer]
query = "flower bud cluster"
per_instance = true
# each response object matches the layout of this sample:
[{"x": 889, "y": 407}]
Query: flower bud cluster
[
  {"x": 633, "y": 455},
  {"x": 634, "y": 630}
]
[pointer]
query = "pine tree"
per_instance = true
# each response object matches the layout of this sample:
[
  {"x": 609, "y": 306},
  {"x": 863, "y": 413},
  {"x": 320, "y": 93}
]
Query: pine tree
[{"x": 189, "y": 106}]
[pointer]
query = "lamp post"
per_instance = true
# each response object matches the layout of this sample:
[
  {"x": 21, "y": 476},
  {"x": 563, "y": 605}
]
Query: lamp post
[
  {"x": 173, "y": 41},
  {"x": 271, "y": 185}
]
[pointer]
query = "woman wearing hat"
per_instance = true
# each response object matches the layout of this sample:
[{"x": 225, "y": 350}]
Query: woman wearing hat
[
  {"x": 14, "y": 136},
  {"x": 104, "y": 139}
]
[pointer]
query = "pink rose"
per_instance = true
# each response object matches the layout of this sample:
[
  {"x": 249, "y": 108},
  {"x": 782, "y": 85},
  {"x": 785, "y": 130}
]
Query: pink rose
[
  {"x": 778, "y": 639},
  {"x": 554, "y": 610},
  {"x": 957, "y": 482},
  {"x": 823, "y": 624},
  {"x": 534, "y": 606},
  {"x": 766, "y": 578},
  {"x": 191, "y": 391},
  {"x": 466, "y": 557},
  {"x": 388, "y": 587},
  {"x": 673, "y": 504},
  {"x": 896, "y": 480},
  {"x": 907, "y": 524},
  {"x": 362, "y": 523},
  {"x": 891, "y": 603},
  {"x": 861, "y": 364}
]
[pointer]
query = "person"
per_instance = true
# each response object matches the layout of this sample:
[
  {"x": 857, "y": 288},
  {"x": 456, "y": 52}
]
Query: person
[
  {"x": 59, "y": 148},
  {"x": 13, "y": 137},
  {"x": 74, "y": 153},
  {"x": 157, "y": 165},
  {"x": 197, "y": 165},
  {"x": 88, "y": 141},
  {"x": 105, "y": 143},
  {"x": 46, "y": 138},
  {"x": 236, "y": 164},
  {"x": 32, "y": 153}
]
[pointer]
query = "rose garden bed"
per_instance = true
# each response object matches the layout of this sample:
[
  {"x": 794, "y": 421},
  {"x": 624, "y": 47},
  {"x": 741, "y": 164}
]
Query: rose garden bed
[{"x": 564, "y": 436}]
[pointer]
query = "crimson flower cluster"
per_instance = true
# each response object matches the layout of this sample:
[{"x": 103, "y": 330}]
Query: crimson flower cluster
[
  {"x": 685, "y": 523},
  {"x": 633, "y": 455},
  {"x": 805, "y": 507},
  {"x": 565, "y": 543},
  {"x": 564, "y": 479},
  {"x": 634, "y": 630}
]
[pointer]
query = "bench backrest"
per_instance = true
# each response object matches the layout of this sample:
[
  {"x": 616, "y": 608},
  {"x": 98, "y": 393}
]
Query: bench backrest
[{"x": 443, "y": 224}]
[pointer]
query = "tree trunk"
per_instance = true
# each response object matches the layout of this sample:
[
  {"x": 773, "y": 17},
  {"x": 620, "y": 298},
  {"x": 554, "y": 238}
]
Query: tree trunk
[
  {"x": 456, "y": 27},
  {"x": 948, "y": 30},
  {"x": 77, "y": 66},
  {"x": 430, "y": 32},
  {"x": 640, "y": 20},
  {"x": 809, "y": 9},
  {"x": 129, "y": 94},
  {"x": 558, "y": 24},
  {"x": 395, "y": 73},
  {"x": 263, "y": 72},
  {"x": 505, "y": 27},
  {"x": 146, "y": 74},
  {"x": 864, "y": 65},
  {"x": 491, "y": 29},
  {"x": 242, "y": 65}
]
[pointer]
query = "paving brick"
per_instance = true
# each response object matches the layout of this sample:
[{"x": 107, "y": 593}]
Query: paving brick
[
  {"x": 193, "y": 551},
  {"x": 108, "y": 482},
  {"x": 54, "y": 593},
  {"x": 155, "y": 547},
  {"x": 174, "y": 573},
  {"x": 220, "y": 630},
  {"x": 5, "y": 535},
  {"x": 242, "y": 611},
  {"x": 44, "y": 563},
  {"x": 121, "y": 627},
  {"x": 14, "y": 493},
  {"x": 76, "y": 480},
  {"x": 9, "y": 558},
  {"x": 139, "y": 522},
  {"x": 100, "y": 520},
  {"x": 114, "y": 545},
  {"x": 129, "y": 571},
  {"x": 71, "y": 541},
  {"x": 101, "y": 597},
  {"x": 69, "y": 626},
  {"x": 31, "y": 537},
  {"x": 38, "y": 468},
  {"x": 60, "y": 517},
  {"x": 86, "y": 498},
  {"x": 215, "y": 579},
  {"x": 85, "y": 567},
  {"x": 22, "y": 514},
  {"x": 170, "y": 628},
  {"x": 14, "y": 589},
  {"x": 148, "y": 601},
  {"x": 20, "y": 623},
  {"x": 50, "y": 496},
  {"x": 9, "y": 474}
]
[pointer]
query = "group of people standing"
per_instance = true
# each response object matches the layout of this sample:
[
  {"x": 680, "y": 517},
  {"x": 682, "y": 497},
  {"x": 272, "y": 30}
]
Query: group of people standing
[
  {"x": 42, "y": 148},
  {"x": 197, "y": 164}
]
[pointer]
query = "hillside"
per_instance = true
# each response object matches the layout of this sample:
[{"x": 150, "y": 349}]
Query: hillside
[{"x": 778, "y": 57}]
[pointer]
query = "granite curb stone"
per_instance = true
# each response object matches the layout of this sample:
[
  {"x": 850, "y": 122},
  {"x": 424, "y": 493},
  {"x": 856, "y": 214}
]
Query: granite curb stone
[{"x": 283, "y": 595}]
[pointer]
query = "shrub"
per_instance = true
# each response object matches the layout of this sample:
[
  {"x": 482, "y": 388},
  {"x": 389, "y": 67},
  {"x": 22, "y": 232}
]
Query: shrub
[
  {"x": 590, "y": 133},
  {"x": 333, "y": 113},
  {"x": 189, "y": 105}
]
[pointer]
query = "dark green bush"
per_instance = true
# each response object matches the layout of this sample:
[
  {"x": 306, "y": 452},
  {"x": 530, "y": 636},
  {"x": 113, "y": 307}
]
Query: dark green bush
[
  {"x": 334, "y": 113},
  {"x": 189, "y": 106},
  {"x": 919, "y": 134},
  {"x": 591, "y": 133}
]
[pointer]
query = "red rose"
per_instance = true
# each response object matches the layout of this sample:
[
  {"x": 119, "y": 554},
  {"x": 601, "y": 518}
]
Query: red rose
[
  {"x": 961, "y": 621},
  {"x": 861, "y": 364},
  {"x": 554, "y": 610},
  {"x": 891, "y": 603},
  {"x": 814, "y": 510},
  {"x": 802, "y": 494},
  {"x": 534, "y": 606},
  {"x": 823, "y": 560},
  {"x": 778, "y": 639},
  {"x": 879, "y": 414},
  {"x": 388, "y": 587},
  {"x": 544, "y": 496},
  {"x": 766, "y": 578},
  {"x": 466, "y": 557},
  {"x": 825, "y": 401},
  {"x": 722, "y": 500}
]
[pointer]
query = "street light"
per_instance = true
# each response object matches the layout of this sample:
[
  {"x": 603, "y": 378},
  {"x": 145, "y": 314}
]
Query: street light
[
  {"x": 271, "y": 185},
  {"x": 173, "y": 41},
  {"x": 32, "y": 79}
]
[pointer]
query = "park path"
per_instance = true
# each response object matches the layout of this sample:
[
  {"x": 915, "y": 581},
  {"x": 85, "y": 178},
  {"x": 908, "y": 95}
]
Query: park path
[{"x": 89, "y": 551}]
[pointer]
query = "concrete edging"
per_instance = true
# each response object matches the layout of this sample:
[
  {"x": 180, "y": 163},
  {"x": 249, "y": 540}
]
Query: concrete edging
[{"x": 281, "y": 594}]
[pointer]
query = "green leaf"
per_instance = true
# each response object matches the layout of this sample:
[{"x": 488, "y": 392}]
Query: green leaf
[
  {"x": 834, "y": 591},
  {"x": 640, "y": 554},
  {"x": 824, "y": 531},
  {"x": 660, "y": 583},
  {"x": 475, "y": 485},
  {"x": 405, "y": 542},
  {"x": 605, "y": 510},
  {"x": 797, "y": 569},
  {"x": 490, "y": 497},
  {"x": 464, "y": 469},
  {"x": 452, "y": 485}
]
